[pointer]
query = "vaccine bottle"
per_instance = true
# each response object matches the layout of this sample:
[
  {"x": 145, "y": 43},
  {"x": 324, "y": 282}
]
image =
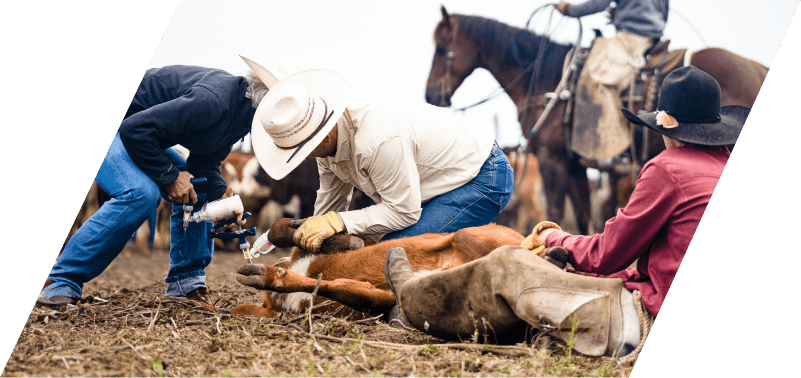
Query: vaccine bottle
[
  {"x": 219, "y": 210},
  {"x": 261, "y": 246}
]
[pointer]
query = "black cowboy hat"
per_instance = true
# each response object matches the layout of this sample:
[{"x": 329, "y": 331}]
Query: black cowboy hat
[{"x": 689, "y": 110}]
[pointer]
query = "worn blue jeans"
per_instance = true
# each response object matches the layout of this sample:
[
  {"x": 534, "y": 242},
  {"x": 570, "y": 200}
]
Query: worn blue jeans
[
  {"x": 135, "y": 198},
  {"x": 476, "y": 203}
]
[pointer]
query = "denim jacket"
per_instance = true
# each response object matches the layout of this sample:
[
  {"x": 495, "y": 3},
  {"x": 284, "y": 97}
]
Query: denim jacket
[
  {"x": 642, "y": 17},
  {"x": 202, "y": 109}
]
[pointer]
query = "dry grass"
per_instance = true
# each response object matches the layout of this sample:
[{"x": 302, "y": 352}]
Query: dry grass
[{"x": 133, "y": 330}]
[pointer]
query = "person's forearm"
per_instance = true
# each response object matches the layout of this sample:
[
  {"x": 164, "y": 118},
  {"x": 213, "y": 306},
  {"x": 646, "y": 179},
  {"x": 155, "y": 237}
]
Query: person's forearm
[
  {"x": 377, "y": 219},
  {"x": 145, "y": 152},
  {"x": 588, "y": 7}
]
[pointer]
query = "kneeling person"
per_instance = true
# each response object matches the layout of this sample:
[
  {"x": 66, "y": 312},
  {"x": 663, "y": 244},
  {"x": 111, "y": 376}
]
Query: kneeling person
[{"x": 420, "y": 165}]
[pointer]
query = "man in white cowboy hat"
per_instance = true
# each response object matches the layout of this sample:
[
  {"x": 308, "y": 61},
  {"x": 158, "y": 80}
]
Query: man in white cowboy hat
[
  {"x": 205, "y": 110},
  {"x": 512, "y": 288},
  {"x": 420, "y": 165}
]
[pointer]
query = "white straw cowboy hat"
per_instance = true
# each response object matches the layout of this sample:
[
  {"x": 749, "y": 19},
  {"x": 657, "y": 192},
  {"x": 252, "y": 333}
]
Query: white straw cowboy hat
[{"x": 295, "y": 115}]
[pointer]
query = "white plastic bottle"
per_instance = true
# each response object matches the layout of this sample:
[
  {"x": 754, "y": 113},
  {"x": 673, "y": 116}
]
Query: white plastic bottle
[{"x": 219, "y": 210}]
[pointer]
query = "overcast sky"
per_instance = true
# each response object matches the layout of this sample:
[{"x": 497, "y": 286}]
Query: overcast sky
[{"x": 385, "y": 48}]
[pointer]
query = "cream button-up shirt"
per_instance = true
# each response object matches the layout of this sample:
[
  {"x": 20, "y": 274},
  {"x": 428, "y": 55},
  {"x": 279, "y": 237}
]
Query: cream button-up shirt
[{"x": 401, "y": 157}]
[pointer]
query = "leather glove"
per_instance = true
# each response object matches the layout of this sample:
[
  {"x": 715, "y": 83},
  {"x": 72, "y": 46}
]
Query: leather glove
[
  {"x": 314, "y": 230},
  {"x": 611, "y": 13},
  {"x": 562, "y": 7},
  {"x": 533, "y": 241}
]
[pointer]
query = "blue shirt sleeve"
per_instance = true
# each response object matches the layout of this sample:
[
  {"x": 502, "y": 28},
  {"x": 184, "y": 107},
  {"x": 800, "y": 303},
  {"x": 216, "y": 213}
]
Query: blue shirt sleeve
[
  {"x": 588, "y": 7},
  {"x": 144, "y": 133},
  {"x": 646, "y": 18}
]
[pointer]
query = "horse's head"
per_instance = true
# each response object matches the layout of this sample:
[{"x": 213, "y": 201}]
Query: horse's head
[{"x": 454, "y": 59}]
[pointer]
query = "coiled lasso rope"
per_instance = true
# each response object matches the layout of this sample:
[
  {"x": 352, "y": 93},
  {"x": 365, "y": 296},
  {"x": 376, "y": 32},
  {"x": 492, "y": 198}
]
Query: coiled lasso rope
[{"x": 646, "y": 322}]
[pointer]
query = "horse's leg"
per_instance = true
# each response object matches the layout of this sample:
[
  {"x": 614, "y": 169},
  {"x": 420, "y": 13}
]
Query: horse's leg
[
  {"x": 359, "y": 295},
  {"x": 554, "y": 172},
  {"x": 579, "y": 193},
  {"x": 525, "y": 208},
  {"x": 609, "y": 204},
  {"x": 529, "y": 213},
  {"x": 525, "y": 216}
]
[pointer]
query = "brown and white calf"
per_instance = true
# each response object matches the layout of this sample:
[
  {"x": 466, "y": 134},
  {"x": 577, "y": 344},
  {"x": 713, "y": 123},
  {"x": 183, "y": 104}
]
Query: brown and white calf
[{"x": 352, "y": 267}]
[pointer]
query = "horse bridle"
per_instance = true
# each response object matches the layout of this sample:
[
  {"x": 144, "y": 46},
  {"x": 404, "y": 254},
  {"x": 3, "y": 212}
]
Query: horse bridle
[{"x": 445, "y": 84}]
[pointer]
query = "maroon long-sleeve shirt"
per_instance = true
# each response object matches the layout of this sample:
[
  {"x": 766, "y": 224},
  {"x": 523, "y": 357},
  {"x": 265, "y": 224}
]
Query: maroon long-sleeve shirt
[{"x": 655, "y": 227}]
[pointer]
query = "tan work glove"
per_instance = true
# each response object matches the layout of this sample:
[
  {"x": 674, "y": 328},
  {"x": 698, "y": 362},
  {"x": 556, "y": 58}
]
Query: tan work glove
[
  {"x": 314, "y": 230},
  {"x": 562, "y": 7},
  {"x": 533, "y": 241}
]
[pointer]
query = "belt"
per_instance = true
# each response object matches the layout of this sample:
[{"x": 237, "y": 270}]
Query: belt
[{"x": 495, "y": 147}]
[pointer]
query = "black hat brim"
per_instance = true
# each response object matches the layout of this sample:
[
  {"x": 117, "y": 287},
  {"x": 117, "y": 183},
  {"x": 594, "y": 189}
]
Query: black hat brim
[{"x": 725, "y": 132}]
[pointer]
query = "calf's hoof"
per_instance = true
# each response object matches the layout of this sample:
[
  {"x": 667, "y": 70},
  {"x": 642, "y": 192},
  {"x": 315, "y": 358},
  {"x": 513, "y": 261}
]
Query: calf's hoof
[
  {"x": 260, "y": 277},
  {"x": 557, "y": 256},
  {"x": 281, "y": 233},
  {"x": 251, "y": 275},
  {"x": 355, "y": 243}
]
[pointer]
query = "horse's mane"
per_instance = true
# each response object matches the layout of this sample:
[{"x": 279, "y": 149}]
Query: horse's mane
[{"x": 515, "y": 46}]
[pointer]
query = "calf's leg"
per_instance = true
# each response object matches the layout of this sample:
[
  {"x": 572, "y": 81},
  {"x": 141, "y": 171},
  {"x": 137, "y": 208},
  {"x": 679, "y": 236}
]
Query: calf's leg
[
  {"x": 359, "y": 295},
  {"x": 251, "y": 309}
]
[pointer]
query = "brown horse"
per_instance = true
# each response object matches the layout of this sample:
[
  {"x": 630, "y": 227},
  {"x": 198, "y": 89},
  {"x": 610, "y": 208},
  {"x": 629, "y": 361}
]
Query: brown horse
[{"x": 464, "y": 43}]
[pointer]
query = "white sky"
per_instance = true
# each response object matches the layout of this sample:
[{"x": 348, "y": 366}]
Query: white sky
[{"x": 385, "y": 48}]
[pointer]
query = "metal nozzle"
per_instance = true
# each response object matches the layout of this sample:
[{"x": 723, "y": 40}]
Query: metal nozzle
[{"x": 187, "y": 215}]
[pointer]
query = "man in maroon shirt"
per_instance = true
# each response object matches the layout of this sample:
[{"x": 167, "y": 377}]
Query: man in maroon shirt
[{"x": 511, "y": 288}]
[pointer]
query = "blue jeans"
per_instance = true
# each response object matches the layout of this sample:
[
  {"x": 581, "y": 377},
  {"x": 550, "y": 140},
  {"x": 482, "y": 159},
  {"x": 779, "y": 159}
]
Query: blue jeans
[
  {"x": 476, "y": 203},
  {"x": 135, "y": 198}
]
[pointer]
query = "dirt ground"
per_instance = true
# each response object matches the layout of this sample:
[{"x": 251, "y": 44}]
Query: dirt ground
[{"x": 125, "y": 326}]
